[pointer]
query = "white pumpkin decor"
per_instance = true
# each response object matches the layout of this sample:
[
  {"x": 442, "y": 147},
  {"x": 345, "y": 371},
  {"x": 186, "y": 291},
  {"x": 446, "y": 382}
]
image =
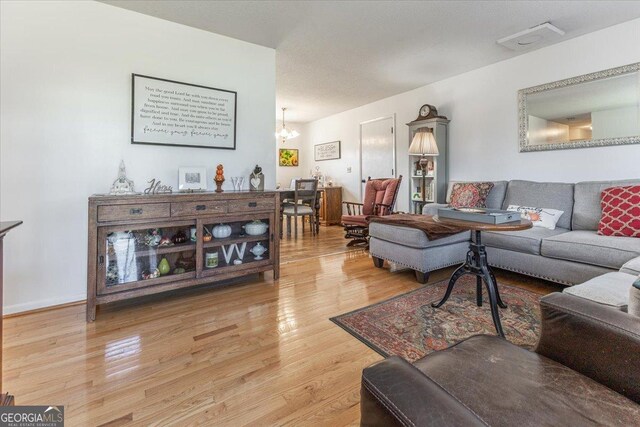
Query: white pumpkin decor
[{"x": 221, "y": 231}]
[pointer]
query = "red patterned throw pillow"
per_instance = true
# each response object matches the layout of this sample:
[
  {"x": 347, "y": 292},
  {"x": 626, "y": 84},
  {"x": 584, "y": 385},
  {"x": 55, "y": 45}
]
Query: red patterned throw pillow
[
  {"x": 470, "y": 194},
  {"x": 620, "y": 211}
]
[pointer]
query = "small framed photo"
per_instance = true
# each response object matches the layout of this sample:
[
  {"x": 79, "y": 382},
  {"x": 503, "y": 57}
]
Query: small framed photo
[{"x": 192, "y": 178}]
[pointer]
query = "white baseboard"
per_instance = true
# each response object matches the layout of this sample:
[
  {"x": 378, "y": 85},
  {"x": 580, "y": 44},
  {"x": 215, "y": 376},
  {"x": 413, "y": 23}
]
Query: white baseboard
[{"x": 27, "y": 306}]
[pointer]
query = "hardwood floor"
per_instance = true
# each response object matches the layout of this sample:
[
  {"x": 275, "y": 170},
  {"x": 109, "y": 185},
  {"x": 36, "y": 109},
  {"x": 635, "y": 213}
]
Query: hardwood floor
[{"x": 260, "y": 353}]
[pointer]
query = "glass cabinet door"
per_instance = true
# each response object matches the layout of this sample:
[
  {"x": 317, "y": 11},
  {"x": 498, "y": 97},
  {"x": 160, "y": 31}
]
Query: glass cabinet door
[
  {"x": 144, "y": 256},
  {"x": 235, "y": 244}
]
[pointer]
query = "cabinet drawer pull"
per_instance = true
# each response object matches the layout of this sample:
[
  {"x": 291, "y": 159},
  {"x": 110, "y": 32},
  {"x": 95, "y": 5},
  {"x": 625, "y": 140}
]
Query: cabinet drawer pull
[
  {"x": 201, "y": 207},
  {"x": 253, "y": 204},
  {"x": 137, "y": 211}
]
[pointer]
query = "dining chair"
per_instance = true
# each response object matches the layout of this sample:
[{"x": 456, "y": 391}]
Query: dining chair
[{"x": 303, "y": 204}]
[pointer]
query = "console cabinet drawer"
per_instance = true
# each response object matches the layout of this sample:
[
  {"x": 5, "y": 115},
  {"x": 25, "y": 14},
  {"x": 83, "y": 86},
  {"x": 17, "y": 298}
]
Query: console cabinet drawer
[
  {"x": 198, "y": 208},
  {"x": 128, "y": 212},
  {"x": 251, "y": 205}
]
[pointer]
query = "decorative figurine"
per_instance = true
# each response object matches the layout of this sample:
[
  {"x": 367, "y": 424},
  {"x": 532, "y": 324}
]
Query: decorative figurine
[
  {"x": 153, "y": 237},
  {"x": 164, "y": 268},
  {"x": 146, "y": 275},
  {"x": 258, "y": 250},
  {"x": 219, "y": 178},
  {"x": 157, "y": 187},
  {"x": 179, "y": 237},
  {"x": 256, "y": 179},
  {"x": 122, "y": 185},
  {"x": 165, "y": 241}
]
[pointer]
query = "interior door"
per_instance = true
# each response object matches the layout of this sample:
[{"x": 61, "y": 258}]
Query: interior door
[{"x": 377, "y": 149}]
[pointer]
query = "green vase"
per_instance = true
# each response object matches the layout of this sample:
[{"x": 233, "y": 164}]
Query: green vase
[{"x": 164, "y": 267}]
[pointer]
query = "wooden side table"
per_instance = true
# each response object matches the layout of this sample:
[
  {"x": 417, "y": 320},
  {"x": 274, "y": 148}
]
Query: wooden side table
[
  {"x": 477, "y": 265},
  {"x": 5, "y": 398}
]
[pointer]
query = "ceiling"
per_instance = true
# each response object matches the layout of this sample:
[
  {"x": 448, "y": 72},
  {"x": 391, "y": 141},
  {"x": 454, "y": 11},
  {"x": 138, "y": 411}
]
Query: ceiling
[{"x": 332, "y": 56}]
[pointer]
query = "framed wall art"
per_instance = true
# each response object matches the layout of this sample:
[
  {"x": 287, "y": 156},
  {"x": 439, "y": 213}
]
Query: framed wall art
[
  {"x": 327, "y": 151},
  {"x": 166, "y": 112},
  {"x": 192, "y": 178},
  {"x": 288, "y": 157}
]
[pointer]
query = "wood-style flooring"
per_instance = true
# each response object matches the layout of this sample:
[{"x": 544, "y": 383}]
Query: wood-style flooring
[{"x": 259, "y": 353}]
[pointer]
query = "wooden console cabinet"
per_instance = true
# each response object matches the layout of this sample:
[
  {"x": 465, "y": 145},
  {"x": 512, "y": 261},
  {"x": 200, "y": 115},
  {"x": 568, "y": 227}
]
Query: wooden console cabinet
[
  {"x": 143, "y": 244},
  {"x": 330, "y": 205}
]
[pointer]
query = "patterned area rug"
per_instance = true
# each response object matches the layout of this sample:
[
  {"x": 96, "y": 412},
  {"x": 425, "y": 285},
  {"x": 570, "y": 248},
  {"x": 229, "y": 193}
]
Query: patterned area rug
[{"x": 409, "y": 327}]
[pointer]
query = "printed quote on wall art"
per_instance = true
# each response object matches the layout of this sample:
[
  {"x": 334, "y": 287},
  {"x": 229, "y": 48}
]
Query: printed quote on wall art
[{"x": 166, "y": 112}]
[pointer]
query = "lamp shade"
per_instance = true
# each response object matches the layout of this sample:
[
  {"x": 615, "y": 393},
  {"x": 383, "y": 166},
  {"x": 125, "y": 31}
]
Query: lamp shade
[{"x": 424, "y": 143}]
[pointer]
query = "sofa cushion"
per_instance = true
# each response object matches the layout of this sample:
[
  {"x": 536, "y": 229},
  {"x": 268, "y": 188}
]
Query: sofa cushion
[
  {"x": 632, "y": 266},
  {"x": 539, "y": 217},
  {"x": 526, "y": 241},
  {"x": 379, "y": 191},
  {"x": 494, "y": 198},
  {"x": 588, "y": 247},
  {"x": 586, "y": 206},
  {"x": 355, "y": 220},
  {"x": 620, "y": 212},
  {"x": 470, "y": 194},
  {"x": 412, "y": 237},
  {"x": 609, "y": 289},
  {"x": 553, "y": 195},
  {"x": 532, "y": 389}
]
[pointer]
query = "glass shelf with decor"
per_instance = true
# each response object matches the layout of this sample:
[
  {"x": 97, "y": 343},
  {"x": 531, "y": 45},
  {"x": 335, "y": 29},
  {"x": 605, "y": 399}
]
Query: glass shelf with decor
[
  {"x": 235, "y": 245},
  {"x": 436, "y": 169},
  {"x": 145, "y": 256}
]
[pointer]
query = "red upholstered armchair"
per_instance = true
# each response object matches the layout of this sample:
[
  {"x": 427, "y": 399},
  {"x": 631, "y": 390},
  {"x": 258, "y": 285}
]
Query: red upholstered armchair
[{"x": 379, "y": 199}]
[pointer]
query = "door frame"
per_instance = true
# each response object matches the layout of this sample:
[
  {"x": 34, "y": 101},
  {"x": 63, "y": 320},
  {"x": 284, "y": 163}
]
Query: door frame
[{"x": 395, "y": 166}]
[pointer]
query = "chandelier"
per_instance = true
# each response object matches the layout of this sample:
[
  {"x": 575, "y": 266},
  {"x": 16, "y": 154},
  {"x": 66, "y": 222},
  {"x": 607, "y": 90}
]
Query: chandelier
[{"x": 284, "y": 132}]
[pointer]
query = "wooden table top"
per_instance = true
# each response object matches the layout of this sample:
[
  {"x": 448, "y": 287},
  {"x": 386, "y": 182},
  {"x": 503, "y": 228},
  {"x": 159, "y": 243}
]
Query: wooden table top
[{"x": 523, "y": 224}]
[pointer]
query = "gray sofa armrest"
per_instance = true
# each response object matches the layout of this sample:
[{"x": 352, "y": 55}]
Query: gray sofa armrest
[
  {"x": 596, "y": 340},
  {"x": 432, "y": 208},
  {"x": 395, "y": 393},
  {"x": 631, "y": 267}
]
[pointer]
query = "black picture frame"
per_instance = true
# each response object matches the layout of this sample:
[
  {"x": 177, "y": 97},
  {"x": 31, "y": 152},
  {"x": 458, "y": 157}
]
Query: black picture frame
[
  {"x": 315, "y": 152},
  {"x": 133, "y": 91}
]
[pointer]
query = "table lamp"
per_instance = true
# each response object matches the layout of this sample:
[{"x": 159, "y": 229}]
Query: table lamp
[{"x": 424, "y": 144}]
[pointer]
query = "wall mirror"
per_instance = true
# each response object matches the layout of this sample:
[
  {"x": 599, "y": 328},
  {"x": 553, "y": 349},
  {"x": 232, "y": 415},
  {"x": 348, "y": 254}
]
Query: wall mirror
[{"x": 593, "y": 110}]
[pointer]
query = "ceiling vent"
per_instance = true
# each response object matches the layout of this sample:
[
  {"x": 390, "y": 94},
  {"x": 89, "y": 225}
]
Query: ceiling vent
[{"x": 542, "y": 34}]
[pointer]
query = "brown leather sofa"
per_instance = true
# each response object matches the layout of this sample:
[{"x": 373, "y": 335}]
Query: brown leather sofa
[{"x": 585, "y": 371}]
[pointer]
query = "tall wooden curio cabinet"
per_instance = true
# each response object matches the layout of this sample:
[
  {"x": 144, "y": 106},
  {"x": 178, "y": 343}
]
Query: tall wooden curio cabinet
[{"x": 437, "y": 174}]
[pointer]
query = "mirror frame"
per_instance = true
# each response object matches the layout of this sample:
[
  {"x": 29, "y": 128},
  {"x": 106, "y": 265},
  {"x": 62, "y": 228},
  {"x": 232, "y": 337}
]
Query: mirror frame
[{"x": 523, "y": 117}]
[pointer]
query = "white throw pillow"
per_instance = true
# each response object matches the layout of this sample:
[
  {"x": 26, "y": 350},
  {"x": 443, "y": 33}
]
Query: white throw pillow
[{"x": 540, "y": 217}]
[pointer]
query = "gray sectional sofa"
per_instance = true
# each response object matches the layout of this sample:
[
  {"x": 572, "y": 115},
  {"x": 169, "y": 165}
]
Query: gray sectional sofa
[{"x": 572, "y": 253}]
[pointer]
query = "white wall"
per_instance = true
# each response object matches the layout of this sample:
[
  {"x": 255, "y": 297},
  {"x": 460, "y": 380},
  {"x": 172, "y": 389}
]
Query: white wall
[
  {"x": 616, "y": 123},
  {"x": 482, "y": 106},
  {"x": 66, "y": 113}
]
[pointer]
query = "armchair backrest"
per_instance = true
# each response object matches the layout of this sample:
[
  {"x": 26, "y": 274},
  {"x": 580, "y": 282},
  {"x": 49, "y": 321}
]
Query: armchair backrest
[{"x": 380, "y": 195}]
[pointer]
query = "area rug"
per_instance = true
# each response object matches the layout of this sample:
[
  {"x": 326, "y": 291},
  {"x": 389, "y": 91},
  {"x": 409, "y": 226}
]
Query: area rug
[{"x": 409, "y": 327}]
